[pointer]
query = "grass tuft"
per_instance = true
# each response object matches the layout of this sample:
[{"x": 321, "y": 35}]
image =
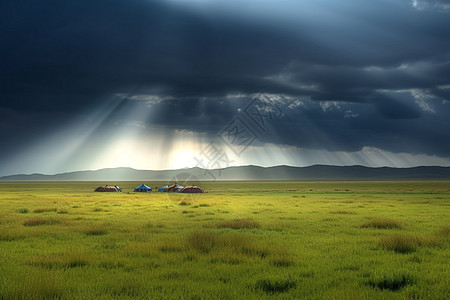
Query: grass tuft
[
  {"x": 223, "y": 245},
  {"x": 444, "y": 232},
  {"x": 407, "y": 243},
  {"x": 184, "y": 202},
  {"x": 280, "y": 258},
  {"x": 390, "y": 281},
  {"x": 22, "y": 210},
  {"x": 111, "y": 264},
  {"x": 171, "y": 248},
  {"x": 35, "y": 285},
  {"x": 273, "y": 286},
  {"x": 95, "y": 231},
  {"x": 347, "y": 201},
  {"x": 10, "y": 235},
  {"x": 201, "y": 241},
  {"x": 239, "y": 224},
  {"x": 282, "y": 262},
  {"x": 382, "y": 224},
  {"x": 48, "y": 262},
  {"x": 75, "y": 259},
  {"x": 400, "y": 243},
  {"x": 256, "y": 250},
  {"x": 343, "y": 212},
  {"x": 43, "y": 210},
  {"x": 69, "y": 260},
  {"x": 226, "y": 256},
  {"x": 35, "y": 222},
  {"x": 40, "y": 221},
  {"x": 151, "y": 225},
  {"x": 428, "y": 241}
]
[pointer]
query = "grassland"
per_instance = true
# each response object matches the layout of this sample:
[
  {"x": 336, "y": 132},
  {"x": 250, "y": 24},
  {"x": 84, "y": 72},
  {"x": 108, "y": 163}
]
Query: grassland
[{"x": 240, "y": 240}]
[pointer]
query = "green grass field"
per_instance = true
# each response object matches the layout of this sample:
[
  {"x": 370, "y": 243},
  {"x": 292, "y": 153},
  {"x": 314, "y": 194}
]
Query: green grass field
[{"x": 240, "y": 240}]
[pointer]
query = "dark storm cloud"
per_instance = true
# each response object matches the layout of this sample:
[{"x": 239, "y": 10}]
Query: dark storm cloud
[
  {"x": 57, "y": 49},
  {"x": 62, "y": 57},
  {"x": 402, "y": 127},
  {"x": 54, "y": 49}
]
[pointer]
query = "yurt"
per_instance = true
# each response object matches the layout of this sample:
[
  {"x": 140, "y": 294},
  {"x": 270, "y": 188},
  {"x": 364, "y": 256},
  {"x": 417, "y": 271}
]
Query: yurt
[
  {"x": 162, "y": 189},
  {"x": 107, "y": 188},
  {"x": 192, "y": 189},
  {"x": 143, "y": 188},
  {"x": 174, "y": 188}
]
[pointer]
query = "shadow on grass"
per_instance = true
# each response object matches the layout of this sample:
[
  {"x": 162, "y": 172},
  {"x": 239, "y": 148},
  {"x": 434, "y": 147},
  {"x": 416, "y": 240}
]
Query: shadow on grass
[
  {"x": 391, "y": 281},
  {"x": 275, "y": 285}
]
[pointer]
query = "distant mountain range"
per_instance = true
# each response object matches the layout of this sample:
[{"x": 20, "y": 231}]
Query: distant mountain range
[{"x": 316, "y": 172}]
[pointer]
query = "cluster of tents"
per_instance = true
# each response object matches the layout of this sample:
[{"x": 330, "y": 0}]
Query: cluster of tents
[{"x": 174, "y": 188}]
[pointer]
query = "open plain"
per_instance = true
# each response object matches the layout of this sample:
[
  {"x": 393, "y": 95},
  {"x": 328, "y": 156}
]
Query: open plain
[{"x": 252, "y": 240}]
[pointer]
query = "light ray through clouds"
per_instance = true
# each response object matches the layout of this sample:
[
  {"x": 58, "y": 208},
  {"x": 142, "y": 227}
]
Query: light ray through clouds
[
  {"x": 118, "y": 135},
  {"x": 98, "y": 141},
  {"x": 75, "y": 146},
  {"x": 53, "y": 153}
]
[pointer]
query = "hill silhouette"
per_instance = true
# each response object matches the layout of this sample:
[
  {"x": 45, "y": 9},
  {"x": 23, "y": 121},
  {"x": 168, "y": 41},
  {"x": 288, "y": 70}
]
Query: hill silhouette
[{"x": 316, "y": 172}]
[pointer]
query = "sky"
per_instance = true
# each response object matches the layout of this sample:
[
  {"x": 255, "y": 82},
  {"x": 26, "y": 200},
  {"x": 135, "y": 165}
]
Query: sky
[{"x": 167, "y": 84}]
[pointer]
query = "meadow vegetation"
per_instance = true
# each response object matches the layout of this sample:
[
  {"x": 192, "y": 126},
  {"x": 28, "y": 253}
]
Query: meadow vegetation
[
  {"x": 240, "y": 240},
  {"x": 382, "y": 223}
]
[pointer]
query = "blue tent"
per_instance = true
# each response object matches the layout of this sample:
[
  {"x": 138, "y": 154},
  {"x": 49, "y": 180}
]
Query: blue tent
[
  {"x": 162, "y": 189},
  {"x": 143, "y": 188}
]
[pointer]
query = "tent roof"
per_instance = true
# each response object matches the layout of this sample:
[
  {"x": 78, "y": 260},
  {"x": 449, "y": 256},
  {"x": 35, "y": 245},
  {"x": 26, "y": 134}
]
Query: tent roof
[{"x": 143, "y": 186}]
